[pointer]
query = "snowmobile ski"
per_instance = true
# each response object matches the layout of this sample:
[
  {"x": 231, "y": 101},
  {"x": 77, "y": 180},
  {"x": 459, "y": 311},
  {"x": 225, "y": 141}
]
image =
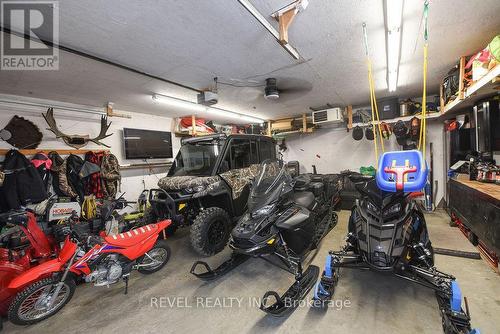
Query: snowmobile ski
[
  {"x": 325, "y": 288},
  {"x": 211, "y": 274},
  {"x": 291, "y": 298}
]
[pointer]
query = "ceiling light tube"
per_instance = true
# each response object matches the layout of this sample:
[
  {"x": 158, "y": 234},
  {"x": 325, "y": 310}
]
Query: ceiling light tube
[
  {"x": 251, "y": 119},
  {"x": 394, "y": 17},
  {"x": 175, "y": 102}
]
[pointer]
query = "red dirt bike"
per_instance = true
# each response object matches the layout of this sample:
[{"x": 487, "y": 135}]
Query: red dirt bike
[
  {"x": 46, "y": 288},
  {"x": 22, "y": 246}
]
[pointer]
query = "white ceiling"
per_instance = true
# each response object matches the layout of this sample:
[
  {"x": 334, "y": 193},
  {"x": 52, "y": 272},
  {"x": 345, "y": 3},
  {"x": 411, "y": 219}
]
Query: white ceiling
[{"x": 192, "y": 41}]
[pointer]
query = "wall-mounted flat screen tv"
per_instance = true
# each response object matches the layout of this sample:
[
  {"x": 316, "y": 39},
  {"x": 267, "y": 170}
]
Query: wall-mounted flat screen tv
[{"x": 147, "y": 144}]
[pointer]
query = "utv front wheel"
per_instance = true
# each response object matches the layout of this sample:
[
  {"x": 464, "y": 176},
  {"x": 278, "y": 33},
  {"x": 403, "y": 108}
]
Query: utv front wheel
[{"x": 210, "y": 231}]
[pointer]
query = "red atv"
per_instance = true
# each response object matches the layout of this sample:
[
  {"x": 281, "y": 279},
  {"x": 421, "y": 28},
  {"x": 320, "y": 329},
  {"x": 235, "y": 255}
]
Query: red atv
[
  {"x": 23, "y": 246},
  {"x": 46, "y": 288}
]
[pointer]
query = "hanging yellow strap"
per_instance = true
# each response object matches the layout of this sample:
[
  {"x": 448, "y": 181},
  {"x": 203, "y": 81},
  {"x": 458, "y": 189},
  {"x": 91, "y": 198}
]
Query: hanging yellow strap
[
  {"x": 373, "y": 109},
  {"x": 373, "y": 100},
  {"x": 423, "y": 124},
  {"x": 89, "y": 207}
]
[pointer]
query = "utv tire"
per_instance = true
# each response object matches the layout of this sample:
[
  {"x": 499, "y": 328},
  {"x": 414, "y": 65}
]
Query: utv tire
[
  {"x": 210, "y": 231},
  {"x": 15, "y": 307},
  {"x": 161, "y": 252}
]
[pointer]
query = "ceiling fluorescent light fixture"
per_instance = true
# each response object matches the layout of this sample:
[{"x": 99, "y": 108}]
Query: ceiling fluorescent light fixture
[
  {"x": 394, "y": 18},
  {"x": 175, "y": 102},
  {"x": 226, "y": 113},
  {"x": 179, "y": 103}
]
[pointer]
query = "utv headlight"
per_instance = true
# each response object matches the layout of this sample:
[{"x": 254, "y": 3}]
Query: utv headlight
[
  {"x": 392, "y": 209},
  {"x": 265, "y": 210},
  {"x": 199, "y": 188},
  {"x": 195, "y": 189}
]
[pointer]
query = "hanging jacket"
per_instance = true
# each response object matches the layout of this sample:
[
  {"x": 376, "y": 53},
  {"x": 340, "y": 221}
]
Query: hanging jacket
[
  {"x": 22, "y": 185},
  {"x": 110, "y": 174},
  {"x": 73, "y": 166},
  {"x": 57, "y": 163},
  {"x": 94, "y": 182},
  {"x": 43, "y": 164}
]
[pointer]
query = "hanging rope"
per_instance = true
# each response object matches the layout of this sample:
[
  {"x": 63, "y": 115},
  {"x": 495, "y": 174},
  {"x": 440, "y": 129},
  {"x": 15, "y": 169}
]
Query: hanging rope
[
  {"x": 422, "y": 134},
  {"x": 373, "y": 100}
]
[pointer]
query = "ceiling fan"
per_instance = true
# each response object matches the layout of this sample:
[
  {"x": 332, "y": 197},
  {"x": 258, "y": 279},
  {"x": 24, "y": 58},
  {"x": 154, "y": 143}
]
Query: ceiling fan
[{"x": 288, "y": 88}]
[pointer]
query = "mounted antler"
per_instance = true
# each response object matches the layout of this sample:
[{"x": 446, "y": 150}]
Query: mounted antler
[
  {"x": 49, "y": 118},
  {"x": 76, "y": 141},
  {"x": 102, "y": 135}
]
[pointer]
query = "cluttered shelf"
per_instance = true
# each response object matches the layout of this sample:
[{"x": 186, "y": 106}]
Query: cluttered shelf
[
  {"x": 487, "y": 85},
  {"x": 403, "y": 118}
]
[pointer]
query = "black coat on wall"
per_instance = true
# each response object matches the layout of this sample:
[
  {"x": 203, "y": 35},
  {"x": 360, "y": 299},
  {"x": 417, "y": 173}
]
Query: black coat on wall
[{"x": 22, "y": 185}]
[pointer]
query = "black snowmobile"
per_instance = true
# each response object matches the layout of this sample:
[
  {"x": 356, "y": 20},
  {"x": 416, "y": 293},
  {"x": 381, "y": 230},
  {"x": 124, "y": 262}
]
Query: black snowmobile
[
  {"x": 286, "y": 220},
  {"x": 387, "y": 232}
]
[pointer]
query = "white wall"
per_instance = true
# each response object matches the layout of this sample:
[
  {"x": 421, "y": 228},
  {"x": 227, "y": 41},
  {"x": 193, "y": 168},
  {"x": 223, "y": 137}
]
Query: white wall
[
  {"x": 133, "y": 181},
  {"x": 334, "y": 150}
]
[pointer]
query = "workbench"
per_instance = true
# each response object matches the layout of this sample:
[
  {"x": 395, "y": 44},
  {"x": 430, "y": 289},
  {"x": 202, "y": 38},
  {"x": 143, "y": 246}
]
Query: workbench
[{"x": 477, "y": 206}]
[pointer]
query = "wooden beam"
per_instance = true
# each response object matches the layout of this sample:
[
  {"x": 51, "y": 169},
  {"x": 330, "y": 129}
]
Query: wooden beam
[
  {"x": 269, "y": 127},
  {"x": 461, "y": 88},
  {"x": 110, "y": 112},
  {"x": 285, "y": 20},
  {"x": 304, "y": 123},
  {"x": 193, "y": 125},
  {"x": 349, "y": 117}
]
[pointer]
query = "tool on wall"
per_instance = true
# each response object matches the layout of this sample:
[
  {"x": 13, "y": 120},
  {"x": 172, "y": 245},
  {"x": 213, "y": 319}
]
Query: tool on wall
[{"x": 77, "y": 141}]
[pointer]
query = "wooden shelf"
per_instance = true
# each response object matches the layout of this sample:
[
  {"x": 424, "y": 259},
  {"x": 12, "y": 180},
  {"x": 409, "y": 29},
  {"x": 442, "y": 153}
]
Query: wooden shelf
[
  {"x": 482, "y": 88},
  {"x": 430, "y": 115},
  {"x": 186, "y": 134},
  {"x": 4, "y": 151},
  {"x": 154, "y": 165}
]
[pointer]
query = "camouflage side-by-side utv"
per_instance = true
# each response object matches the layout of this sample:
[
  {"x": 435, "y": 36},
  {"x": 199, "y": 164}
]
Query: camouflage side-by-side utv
[{"x": 207, "y": 186}]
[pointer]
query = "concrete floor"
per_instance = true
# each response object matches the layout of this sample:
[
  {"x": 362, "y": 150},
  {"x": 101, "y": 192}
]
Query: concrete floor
[{"x": 365, "y": 302}]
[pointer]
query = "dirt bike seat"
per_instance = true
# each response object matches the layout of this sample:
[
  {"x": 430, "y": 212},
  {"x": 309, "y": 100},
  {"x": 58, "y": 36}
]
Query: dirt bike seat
[
  {"x": 304, "y": 199},
  {"x": 132, "y": 237}
]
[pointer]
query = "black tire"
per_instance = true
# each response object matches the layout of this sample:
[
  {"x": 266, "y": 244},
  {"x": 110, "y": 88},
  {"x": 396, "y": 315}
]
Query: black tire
[
  {"x": 210, "y": 231},
  {"x": 14, "y": 308},
  {"x": 160, "y": 248}
]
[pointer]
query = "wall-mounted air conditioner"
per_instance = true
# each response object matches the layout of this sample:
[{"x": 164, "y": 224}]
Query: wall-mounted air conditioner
[{"x": 332, "y": 115}]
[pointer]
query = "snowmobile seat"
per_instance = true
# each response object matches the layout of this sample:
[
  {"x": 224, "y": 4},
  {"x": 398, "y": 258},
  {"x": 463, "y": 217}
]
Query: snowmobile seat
[
  {"x": 302, "y": 182},
  {"x": 304, "y": 199},
  {"x": 316, "y": 188}
]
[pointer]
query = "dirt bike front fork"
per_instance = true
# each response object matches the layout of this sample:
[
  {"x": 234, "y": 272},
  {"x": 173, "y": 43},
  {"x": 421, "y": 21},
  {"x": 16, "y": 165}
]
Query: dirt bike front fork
[{"x": 61, "y": 282}]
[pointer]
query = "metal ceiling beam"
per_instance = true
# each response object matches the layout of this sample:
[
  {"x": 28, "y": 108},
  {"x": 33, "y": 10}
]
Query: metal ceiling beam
[
  {"x": 262, "y": 20},
  {"x": 96, "y": 58}
]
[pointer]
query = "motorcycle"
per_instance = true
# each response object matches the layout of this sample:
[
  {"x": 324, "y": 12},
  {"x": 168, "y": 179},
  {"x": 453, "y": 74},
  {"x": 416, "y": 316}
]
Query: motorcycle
[
  {"x": 45, "y": 289},
  {"x": 387, "y": 232},
  {"x": 286, "y": 218}
]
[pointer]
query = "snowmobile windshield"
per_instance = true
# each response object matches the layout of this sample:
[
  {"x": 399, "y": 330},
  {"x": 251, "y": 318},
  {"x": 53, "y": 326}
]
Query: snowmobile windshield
[
  {"x": 269, "y": 184},
  {"x": 197, "y": 158}
]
